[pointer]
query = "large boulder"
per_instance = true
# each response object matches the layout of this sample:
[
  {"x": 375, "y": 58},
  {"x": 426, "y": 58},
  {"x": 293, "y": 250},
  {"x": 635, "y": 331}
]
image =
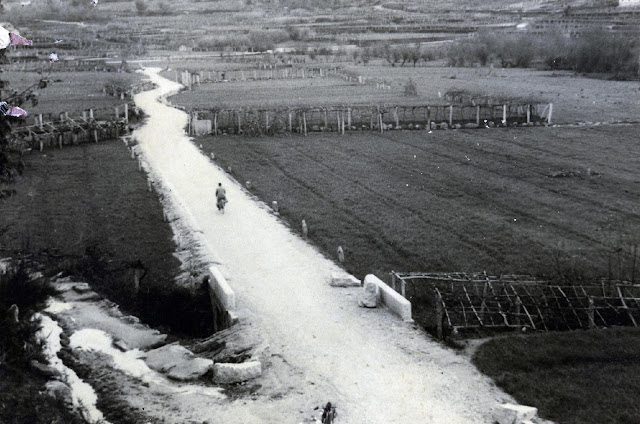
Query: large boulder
[
  {"x": 177, "y": 362},
  {"x": 236, "y": 373},
  {"x": 370, "y": 295}
]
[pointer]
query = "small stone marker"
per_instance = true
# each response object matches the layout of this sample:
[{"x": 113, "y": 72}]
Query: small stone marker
[
  {"x": 213, "y": 156},
  {"x": 274, "y": 206},
  {"x": 370, "y": 295},
  {"x": 340, "y": 254},
  {"x": 14, "y": 313},
  {"x": 305, "y": 230},
  {"x": 248, "y": 184}
]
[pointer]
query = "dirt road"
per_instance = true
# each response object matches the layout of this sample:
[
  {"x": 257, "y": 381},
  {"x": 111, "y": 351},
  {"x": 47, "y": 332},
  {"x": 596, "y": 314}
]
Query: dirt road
[{"x": 374, "y": 367}]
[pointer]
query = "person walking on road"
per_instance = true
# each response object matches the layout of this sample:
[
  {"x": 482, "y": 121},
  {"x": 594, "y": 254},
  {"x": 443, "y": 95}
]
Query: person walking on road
[{"x": 221, "y": 196}]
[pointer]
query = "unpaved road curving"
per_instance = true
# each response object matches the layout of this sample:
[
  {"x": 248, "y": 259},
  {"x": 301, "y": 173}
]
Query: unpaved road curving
[{"x": 374, "y": 367}]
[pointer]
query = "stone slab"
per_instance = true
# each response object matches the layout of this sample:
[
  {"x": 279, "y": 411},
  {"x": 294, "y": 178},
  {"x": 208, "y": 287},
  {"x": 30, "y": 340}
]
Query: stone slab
[
  {"x": 224, "y": 293},
  {"x": 391, "y": 298},
  {"x": 344, "y": 280},
  {"x": 236, "y": 373},
  {"x": 509, "y": 413}
]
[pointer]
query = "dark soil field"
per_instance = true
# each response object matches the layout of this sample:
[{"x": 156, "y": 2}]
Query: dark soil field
[{"x": 542, "y": 201}]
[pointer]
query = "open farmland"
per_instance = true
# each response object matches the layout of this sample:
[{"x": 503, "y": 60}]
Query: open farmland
[
  {"x": 71, "y": 92},
  {"x": 575, "y": 99},
  {"x": 539, "y": 201},
  {"x": 285, "y": 93}
]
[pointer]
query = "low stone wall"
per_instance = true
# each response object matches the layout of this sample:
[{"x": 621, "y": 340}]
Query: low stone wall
[
  {"x": 391, "y": 299},
  {"x": 223, "y": 300}
]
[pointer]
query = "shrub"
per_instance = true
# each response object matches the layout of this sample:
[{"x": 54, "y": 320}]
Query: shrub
[
  {"x": 410, "y": 88},
  {"x": 18, "y": 344}
]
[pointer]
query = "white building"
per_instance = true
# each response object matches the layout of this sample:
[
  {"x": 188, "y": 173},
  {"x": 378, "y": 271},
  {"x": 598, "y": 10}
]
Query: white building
[{"x": 623, "y": 3}]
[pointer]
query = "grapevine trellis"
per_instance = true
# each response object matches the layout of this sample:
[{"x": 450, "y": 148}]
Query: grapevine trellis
[
  {"x": 474, "y": 301},
  {"x": 91, "y": 125},
  {"x": 253, "y": 122}
]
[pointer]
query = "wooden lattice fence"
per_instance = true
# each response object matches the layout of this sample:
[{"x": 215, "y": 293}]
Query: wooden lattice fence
[
  {"x": 474, "y": 301},
  {"x": 255, "y": 122}
]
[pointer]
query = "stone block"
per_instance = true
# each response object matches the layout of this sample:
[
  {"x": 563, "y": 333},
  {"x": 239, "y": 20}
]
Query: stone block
[
  {"x": 236, "y": 373},
  {"x": 391, "y": 298},
  {"x": 509, "y": 413},
  {"x": 177, "y": 362},
  {"x": 370, "y": 295},
  {"x": 344, "y": 280},
  {"x": 219, "y": 287}
]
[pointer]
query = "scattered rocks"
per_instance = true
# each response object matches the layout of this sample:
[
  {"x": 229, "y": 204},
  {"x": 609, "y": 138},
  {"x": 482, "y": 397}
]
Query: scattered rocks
[
  {"x": 177, "y": 362},
  {"x": 236, "y": 373}
]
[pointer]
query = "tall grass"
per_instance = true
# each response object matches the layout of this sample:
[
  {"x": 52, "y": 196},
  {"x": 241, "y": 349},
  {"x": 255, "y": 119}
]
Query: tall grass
[{"x": 586, "y": 377}]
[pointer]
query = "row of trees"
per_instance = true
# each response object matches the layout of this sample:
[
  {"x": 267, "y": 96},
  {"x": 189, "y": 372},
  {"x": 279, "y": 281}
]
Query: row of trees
[{"x": 594, "y": 51}]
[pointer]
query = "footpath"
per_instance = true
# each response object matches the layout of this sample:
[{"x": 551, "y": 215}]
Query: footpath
[{"x": 372, "y": 366}]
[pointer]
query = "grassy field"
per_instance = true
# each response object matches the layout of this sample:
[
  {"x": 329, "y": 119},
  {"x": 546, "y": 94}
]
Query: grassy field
[
  {"x": 88, "y": 211},
  {"x": 72, "y": 92},
  {"x": 283, "y": 93},
  {"x": 453, "y": 200},
  {"x": 572, "y": 378}
]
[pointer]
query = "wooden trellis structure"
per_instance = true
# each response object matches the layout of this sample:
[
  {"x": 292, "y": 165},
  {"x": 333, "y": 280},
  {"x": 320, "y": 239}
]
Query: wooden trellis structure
[
  {"x": 253, "y": 122},
  {"x": 473, "y": 301},
  {"x": 92, "y": 125}
]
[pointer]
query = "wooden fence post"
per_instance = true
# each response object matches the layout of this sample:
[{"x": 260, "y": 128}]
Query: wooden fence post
[
  {"x": 550, "y": 113},
  {"x": 304, "y": 122},
  {"x": 266, "y": 114},
  {"x": 428, "y": 117},
  {"x": 478, "y": 115},
  {"x": 215, "y": 123},
  {"x": 395, "y": 116},
  {"x": 504, "y": 115},
  {"x": 349, "y": 118},
  {"x": 450, "y": 115},
  {"x": 439, "y": 315},
  {"x": 326, "y": 121},
  {"x": 126, "y": 113},
  {"x": 591, "y": 313},
  {"x": 290, "y": 123},
  {"x": 528, "y": 114}
]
